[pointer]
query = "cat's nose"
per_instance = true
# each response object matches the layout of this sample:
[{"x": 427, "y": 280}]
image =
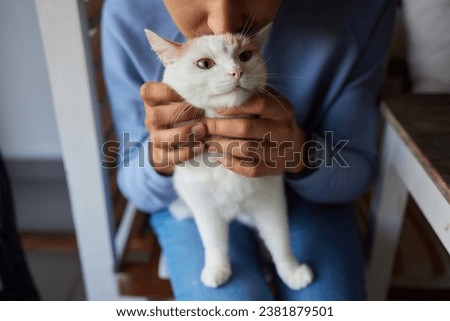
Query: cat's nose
[{"x": 237, "y": 73}]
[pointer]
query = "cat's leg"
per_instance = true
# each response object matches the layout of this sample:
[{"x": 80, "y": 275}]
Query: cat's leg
[
  {"x": 212, "y": 227},
  {"x": 213, "y": 230},
  {"x": 179, "y": 209},
  {"x": 270, "y": 217}
]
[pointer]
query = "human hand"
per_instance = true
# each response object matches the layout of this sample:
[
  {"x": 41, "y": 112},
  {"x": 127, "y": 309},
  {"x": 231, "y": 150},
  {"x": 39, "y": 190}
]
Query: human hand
[
  {"x": 270, "y": 143},
  {"x": 175, "y": 135}
]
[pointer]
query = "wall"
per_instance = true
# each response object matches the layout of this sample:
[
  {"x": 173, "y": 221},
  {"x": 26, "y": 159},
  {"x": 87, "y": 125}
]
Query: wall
[
  {"x": 28, "y": 133},
  {"x": 27, "y": 123}
]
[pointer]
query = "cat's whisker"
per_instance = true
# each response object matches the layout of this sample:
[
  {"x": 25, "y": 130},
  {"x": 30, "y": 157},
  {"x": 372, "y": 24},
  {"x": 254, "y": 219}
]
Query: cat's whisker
[
  {"x": 267, "y": 92},
  {"x": 185, "y": 108},
  {"x": 249, "y": 30},
  {"x": 278, "y": 88},
  {"x": 252, "y": 31},
  {"x": 257, "y": 94},
  {"x": 246, "y": 27},
  {"x": 262, "y": 64},
  {"x": 183, "y": 111},
  {"x": 199, "y": 96},
  {"x": 178, "y": 113},
  {"x": 274, "y": 75},
  {"x": 174, "y": 117}
]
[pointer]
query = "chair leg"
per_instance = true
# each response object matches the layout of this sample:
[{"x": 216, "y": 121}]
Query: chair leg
[{"x": 388, "y": 208}]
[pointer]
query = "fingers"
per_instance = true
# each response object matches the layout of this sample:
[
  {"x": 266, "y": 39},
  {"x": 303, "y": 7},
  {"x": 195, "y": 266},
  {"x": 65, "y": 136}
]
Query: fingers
[
  {"x": 243, "y": 149},
  {"x": 275, "y": 116},
  {"x": 158, "y": 93},
  {"x": 164, "y": 108},
  {"x": 162, "y": 158},
  {"x": 179, "y": 136},
  {"x": 256, "y": 129},
  {"x": 248, "y": 158},
  {"x": 173, "y": 146},
  {"x": 178, "y": 131},
  {"x": 267, "y": 105},
  {"x": 166, "y": 116},
  {"x": 175, "y": 137},
  {"x": 249, "y": 168}
]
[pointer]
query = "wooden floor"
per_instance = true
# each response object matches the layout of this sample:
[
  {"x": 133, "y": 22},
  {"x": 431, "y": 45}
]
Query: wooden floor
[
  {"x": 138, "y": 274},
  {"x": 55, "y": 266},
  {"x": 139, "y": 270}
]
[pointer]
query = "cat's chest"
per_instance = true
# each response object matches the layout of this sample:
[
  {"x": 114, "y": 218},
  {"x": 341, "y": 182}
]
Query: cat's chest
[{"x": 208, "y": 176}]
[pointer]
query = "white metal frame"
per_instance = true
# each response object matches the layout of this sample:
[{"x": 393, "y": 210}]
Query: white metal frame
[
  {"x": 64, "y": 31},
  {"x": 401, "y": 173}
]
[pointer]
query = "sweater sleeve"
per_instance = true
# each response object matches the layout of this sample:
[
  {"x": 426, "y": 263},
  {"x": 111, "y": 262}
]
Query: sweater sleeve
[
  {"x": 347, "y": 132},
  {"x": 122, "y": 67}
]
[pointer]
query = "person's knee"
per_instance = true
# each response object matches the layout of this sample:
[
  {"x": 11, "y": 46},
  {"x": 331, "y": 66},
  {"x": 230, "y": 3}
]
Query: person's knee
[
  {"x": 228, "y": 292},
  {"x": 336, "y": 288}
]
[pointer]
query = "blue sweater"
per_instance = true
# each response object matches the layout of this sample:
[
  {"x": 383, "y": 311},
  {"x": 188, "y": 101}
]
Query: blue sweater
[{"x": 329, "y": 55}]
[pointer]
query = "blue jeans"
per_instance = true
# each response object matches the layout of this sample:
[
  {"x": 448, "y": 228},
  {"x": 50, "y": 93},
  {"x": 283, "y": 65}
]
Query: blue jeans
[{"x": 325, "y": 237}]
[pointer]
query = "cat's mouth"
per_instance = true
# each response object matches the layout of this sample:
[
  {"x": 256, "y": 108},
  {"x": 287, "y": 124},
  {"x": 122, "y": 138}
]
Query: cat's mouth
[
  {"x": 233, "y": 89},
  {"x": 236, "y": 88}
]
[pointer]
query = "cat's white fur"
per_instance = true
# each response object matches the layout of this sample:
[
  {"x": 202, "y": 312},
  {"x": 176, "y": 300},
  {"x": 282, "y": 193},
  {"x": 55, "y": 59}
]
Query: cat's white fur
[{"x": 216, "y": 195}]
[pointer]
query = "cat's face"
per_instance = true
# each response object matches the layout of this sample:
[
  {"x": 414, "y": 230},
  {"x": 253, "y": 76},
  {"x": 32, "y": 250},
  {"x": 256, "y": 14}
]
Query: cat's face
[{"x": 214, "y": 71}]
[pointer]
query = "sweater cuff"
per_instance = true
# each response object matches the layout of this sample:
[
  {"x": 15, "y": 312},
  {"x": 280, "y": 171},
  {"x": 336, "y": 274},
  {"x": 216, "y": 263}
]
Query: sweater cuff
[
  {"x": 313, "y": 153},
  {"x": 163, "y": 182}
]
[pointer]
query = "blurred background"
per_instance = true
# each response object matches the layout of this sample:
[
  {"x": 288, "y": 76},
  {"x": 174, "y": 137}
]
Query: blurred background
[
  {"x": 31, "y": 149},
  {"x": 419, "y": 61}
]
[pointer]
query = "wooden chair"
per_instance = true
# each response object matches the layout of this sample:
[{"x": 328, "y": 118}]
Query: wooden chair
[{"x": 119, "y": 254}]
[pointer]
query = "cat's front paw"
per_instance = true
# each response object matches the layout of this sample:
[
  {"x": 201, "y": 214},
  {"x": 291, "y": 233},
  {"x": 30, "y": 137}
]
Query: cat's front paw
[
  {"x": 214, "y": 277},
  {"x": 180, "y": 210},
  {"x": 299, "y": 277}
]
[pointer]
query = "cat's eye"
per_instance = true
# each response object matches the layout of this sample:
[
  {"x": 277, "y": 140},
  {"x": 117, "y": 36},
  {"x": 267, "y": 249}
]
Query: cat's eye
[
  {"x": 245, "y": 56},
  {"x": 205, "y": 63}
]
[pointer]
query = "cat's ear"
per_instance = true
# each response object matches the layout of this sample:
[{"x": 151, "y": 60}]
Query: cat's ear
[
  {"x": 260, "y": 37},
  {"x": 167, "y": 51}
]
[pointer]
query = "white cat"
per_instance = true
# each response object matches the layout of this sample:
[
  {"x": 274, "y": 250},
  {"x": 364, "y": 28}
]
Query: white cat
[{"x": 224, "y": 71}]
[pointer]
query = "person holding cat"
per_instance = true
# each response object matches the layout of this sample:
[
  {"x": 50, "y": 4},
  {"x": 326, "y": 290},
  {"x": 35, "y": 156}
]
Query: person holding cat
[{"x": 326, "y": 58}]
